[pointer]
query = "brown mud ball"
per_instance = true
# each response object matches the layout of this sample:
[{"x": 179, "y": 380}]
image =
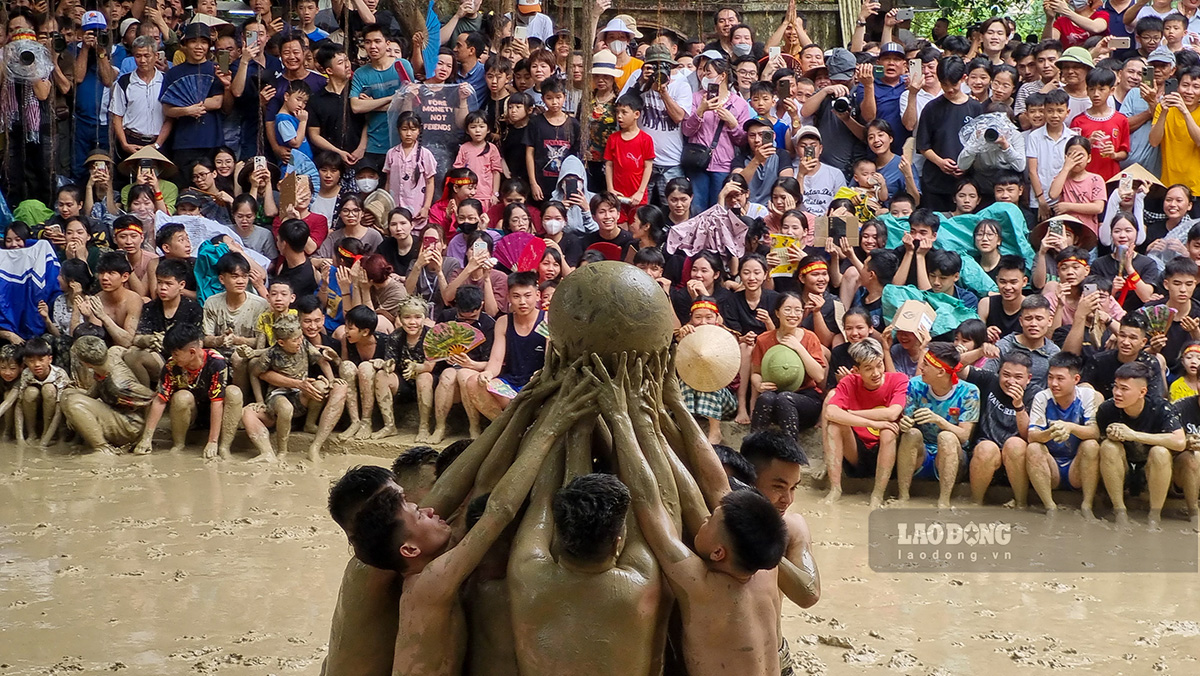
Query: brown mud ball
[{"x": 606, "y": 308}]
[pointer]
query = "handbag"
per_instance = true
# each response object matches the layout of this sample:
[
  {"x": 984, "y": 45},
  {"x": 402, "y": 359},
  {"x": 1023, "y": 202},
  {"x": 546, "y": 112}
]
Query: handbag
[{"x": 696, "y": 156}]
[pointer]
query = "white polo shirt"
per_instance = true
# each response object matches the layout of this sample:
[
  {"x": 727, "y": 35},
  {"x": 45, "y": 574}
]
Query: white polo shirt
[{"x": 139, "y": 107}]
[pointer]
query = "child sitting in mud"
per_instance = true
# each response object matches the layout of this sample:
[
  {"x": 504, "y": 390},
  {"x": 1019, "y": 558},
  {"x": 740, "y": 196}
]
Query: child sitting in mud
[
  {"x": 41, "y": 382},
  {"x": 286, "y": 365},
  {"x": 10, "y": 371}
]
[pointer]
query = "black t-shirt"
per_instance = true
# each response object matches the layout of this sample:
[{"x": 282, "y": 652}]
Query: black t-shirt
[
  {"x": 300, "y": 277},
  {"x": 551, "y": 145},
  {"x": 153, "y": 320},
  {"x": 1158, "y": 417},
  {"x": 385, "y": 348},
  {"x": 1106, "y": 266},
  {"x": 512, "y": 150},
  {"x": 682, "y": 301},
  {"x": 873, "y": 308},
  {"x": 1099, "y": 371},
  {"x": 401, "y": 263},
  {"x": 839, "y": 357},
  {"x": 330, "y": 113},
  {"x": 572, "y": 248},
  {"x": 486, "y": 324},
  {"x": 997, "y": 417},
  {"x": 840, "y": 148},
  {"x": 496, "y": 111},
  {"x": 828, "y": 312},
  {"x": 999, "y": 318},
  {"x": 741, "y": 318},
  {"x": 1188, "y": 410},
  {"x": 938, "y": 130},
  {"x": 314, "y": 370},
  {"x": 440, "y": 133}
]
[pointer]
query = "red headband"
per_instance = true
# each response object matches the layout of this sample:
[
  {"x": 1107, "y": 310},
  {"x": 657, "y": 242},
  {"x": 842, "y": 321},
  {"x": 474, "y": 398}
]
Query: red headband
[
  {"x": 952, "y": 370},
  {"x": 137, "y": 227},
  {"x": 1075, "y": 259},
  {"x": 706, "y": 304},
  {"x": 346, "y": 254},
  {"x": 813, "y": 267},
  {"x": 1191, "y": 348}
]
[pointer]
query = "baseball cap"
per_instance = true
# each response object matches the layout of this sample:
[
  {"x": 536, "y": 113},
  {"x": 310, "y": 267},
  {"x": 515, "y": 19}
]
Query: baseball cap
[
  {"x": 196, "y": 31},
  {"x": 712, "y": 55},
  {"x": 1077, "y": 55},
  {"x": 529, "y": 6},
  {"x": 1161, "y": 55},
  {"x": 188, "y": 199},
  {"x": 128, "y": 23},
  {"x": 93, "y": 21},
  {"x": 841, "y": 64},
  {"x": 808, "y": 130},
  {"x": 892, "y": 49},
  {"x": 757, "y": 122}
]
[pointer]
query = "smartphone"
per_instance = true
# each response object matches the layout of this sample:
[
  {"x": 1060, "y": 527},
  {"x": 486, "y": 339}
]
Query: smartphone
[
  {"x": 153, "y": 4},
  {"x": 1126, "y": 183},
  {"x": 810, "y": 152},
  {"x": 714, "y": 90},
  {"x": 479, "y": 247},
  {"x": 223, "y": 60},
  {"x": 260, "y": 162},
  {"x": 1055, "y": 228},
  {"x": 784, "y": 89},
  {"x": 905, "y": 14},
  {"x": 1172, "y": 86},
  {"x": 1089, "y": 289},
  {"x": 914, "y": 69},
  {"x": 53, "y": 229},
  {"x": 1148, "y": 74},
  {"x": 1119, "y": 43},
  {"x": 252, "y": 38},
  {"x": 878, "y": 70},
  {"x": 570, "y": 186},
  {"x": 520, "y": 32},
  {"x": 773, "y": 52}
]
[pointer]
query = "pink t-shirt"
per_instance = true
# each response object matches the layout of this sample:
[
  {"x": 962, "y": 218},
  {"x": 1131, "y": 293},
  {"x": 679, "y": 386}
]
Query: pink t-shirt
[
  {"x": 1111, "y": 307},
  {"x": 408, "y": 174},
  {"x": 850, "y": 395},
  {"x": 1081, "y": 191},
  {"x": 485, "y": 164}
]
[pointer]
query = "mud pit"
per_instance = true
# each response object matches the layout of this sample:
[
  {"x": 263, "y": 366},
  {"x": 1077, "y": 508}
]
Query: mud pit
[{"x": 168, "y": 565}]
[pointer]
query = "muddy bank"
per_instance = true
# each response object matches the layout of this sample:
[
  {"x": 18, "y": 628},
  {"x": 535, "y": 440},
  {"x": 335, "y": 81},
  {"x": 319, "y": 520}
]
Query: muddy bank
[{"x": 168, "y": 565}]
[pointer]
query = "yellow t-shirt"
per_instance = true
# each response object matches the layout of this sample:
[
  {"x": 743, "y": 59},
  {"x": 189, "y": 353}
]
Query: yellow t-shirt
[
  {"x": 1180, "y": 154},
  {"x": 634, "y": 65},
  {"x": 1181, "y": 390},
  {"x": 266, "y": 324}
]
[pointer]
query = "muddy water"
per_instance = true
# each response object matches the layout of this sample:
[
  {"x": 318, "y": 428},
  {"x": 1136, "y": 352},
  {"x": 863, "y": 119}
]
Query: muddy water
[{"x": 168, "y": 565}]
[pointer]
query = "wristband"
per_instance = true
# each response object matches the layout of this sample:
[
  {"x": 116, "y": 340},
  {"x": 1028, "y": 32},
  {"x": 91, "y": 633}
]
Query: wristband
[
  {"x": 1133, "y": 278},
  {"x": 158, "y": 196}
]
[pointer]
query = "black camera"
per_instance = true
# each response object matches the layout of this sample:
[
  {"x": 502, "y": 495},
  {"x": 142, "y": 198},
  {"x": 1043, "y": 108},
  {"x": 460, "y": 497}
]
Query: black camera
[
  {"x": 991, "y": 135},
  {"x": 841, "y": 104},
  {"x": 103, "y": 39},
  {"x": 58, "y": 42}
]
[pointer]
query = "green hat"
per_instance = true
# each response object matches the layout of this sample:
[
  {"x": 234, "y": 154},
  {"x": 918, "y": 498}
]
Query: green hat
[
  {"x": 782, "y": 365},
  {"x": 1077, "y": 55}
]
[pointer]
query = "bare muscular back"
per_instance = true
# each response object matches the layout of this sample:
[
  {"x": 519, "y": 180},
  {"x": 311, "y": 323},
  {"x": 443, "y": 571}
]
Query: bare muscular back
[
  {"x": 432, "y": 640},
  {"x": 734, "y": 629},
  {"x": 365, "y": 619},
  {"x": 587, "y": 624}
]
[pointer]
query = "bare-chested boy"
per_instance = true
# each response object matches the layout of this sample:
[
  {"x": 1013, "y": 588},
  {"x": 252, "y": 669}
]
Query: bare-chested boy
[
  {"x": 395, "y": 534},
  {"x": 41, "y": 384},
  {"x": 728, "y": 589},
  {"x": 116, "y": 308},
  {"x": 168, "y": 308}
]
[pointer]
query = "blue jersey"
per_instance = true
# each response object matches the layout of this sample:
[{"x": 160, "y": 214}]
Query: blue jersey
[
  {"x": 1082, "y": 411},
  {"x": 960, "y": 405}
]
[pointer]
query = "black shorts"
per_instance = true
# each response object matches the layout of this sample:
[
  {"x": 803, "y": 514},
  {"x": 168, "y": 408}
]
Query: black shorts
[{"x": 868, "y": 459}]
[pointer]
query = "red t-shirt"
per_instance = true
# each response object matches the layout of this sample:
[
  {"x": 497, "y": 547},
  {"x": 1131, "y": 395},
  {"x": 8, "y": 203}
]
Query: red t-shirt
[
  {"x": 318, "y": 226},
  {"x": 768, "y": 340},
  {"x": 1071, "y": 35},
  {"x": 1115, "y": 128},
  {"x": 629, "y": 162},
  {"x": 850, "y": 395}
]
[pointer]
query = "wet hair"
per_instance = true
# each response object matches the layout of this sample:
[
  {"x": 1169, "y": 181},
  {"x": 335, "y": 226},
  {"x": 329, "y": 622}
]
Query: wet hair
[
  {"x": 91, "y": 350},
  {"x": 757, "y": 534},
  {"x": 1180, "y": 266},
  {"x": 8, "y": 352},
  {"x": 1136, "y": 321},
  {"x": 167, "y": 233},
  {"x": 1070, "y": 361},
  {"x": 113, "y": 261},
  {"x": 1134, "y": 369},
  {"x": 378, "y": 530},
  {"x": 943, "y": 261},
  {"x": 589, "y": 515},
  {"x": 468, "y": 298},
  {"x": 973, "y": 330},
  {"x": 1018, "y": 357},
  {"x": 449, "y": 455},
  {"x": 36, "y": 347},
  {"x": 172, "y": 268},
  {"x": 362, "y": 317},
  {"x": 230, "y": 263},
  {"x": 1011, "y": 262},
  {"x": 945, "y": 352},
  {"x": 411, "y": 460},
  {"x": 737, "y": 467},
  {"x": 180, "y": 336},
  {"x": 761, "y": 447}
]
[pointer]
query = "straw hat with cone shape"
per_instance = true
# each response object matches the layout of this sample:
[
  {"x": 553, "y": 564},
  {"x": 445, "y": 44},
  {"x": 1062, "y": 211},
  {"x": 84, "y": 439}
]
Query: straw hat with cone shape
[
  {"x": 162, "y": 165},
  {"x": 1084, "y": 236},
  {"x": 1139, "y": 174},
  {"x": 707, "y": 359}
]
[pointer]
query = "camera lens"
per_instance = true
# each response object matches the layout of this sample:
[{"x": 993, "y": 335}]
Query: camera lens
[
  {"x": 991, "y": 135},
  {"x": 841, "y": 104},
  {"x": 27, "y": 58}
]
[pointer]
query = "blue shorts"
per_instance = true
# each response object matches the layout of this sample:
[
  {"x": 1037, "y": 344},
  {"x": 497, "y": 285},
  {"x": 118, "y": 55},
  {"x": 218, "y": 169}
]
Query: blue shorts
[
  {"x": 928, "y": 468},
  {"x": 1064, "y": 471}
]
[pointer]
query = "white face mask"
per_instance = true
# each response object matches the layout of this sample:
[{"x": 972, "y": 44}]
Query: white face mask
[
  {"x": 705, "y": 82},
  {"x": 744, "y": 49},
  {"x": 1079, "y": 4},
  {"x": 367, "y": 185},
  {"x": 554, "y": 226},
  {"x": 618, "y": 46}
]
